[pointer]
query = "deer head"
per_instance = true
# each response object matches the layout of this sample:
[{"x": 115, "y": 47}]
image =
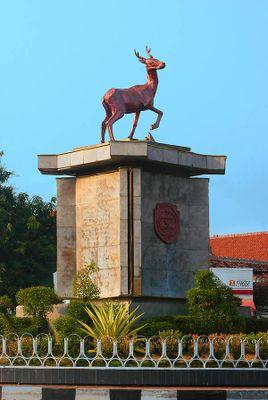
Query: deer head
[{"x": 150, "y": 62}]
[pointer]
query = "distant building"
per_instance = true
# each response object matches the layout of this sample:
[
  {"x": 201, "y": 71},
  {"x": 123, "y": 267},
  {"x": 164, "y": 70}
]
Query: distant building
[{"x": 246, "y": 250}]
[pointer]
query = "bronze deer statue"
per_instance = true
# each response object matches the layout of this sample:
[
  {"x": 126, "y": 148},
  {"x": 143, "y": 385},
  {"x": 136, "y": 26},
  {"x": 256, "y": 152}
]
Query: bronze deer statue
[{"x": 118, "y": 102}]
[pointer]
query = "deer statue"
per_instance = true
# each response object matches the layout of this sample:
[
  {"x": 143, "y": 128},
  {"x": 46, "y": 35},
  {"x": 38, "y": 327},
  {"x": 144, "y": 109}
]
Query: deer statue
[{"x": 118, "y": 102}]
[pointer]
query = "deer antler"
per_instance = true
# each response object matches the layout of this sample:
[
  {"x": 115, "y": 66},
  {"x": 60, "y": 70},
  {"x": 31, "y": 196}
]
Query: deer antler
[
  {"x": 148, "y": 51},
  {"x": 142, "y": 59}
]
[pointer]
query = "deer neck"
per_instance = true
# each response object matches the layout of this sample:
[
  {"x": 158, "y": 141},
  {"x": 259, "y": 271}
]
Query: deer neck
[{"x": 152, "y": 79}]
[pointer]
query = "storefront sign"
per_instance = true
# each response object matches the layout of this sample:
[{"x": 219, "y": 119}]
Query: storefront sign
[{"x": 240, "y": 280}]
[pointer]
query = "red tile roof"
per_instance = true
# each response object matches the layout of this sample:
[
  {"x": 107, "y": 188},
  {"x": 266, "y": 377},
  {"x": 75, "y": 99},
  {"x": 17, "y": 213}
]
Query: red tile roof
[
  {"x": 250, "y": 246},
  {"x": 259, "y": 267}
]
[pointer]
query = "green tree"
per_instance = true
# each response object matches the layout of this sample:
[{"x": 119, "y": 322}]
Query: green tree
[
  {"x": 83, "y": 286},
  {"x": 27, "y": 238},
  {"x": 37, "y": 301},
  {"x": 211, "y": 299}
]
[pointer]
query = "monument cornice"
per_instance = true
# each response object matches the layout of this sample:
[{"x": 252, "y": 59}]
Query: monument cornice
[{"x": 110, "y": 155}]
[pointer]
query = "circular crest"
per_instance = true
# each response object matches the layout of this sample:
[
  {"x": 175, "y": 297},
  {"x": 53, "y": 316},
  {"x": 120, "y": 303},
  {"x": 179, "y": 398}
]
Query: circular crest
[{"x": 166, "y": 222}]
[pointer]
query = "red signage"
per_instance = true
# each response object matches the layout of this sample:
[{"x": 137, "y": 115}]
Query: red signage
[{"x": 166, "y": 222}]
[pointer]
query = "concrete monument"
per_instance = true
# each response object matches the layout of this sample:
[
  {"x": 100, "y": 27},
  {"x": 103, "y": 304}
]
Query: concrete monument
[{"x": 140, "y": 211}]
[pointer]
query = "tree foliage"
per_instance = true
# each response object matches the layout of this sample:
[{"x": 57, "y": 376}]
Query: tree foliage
[
  {"x": 27, "y": 238},
  {"x": 83, "y": 286},
  {"x": 6, "y": 305},
  {"x": 37, "y": 301},
  {"x": 211, "y": 299}
]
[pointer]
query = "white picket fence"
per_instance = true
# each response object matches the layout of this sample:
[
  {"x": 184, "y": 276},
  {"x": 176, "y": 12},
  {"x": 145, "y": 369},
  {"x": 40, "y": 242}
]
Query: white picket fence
[{"x": 187, "y": 352}]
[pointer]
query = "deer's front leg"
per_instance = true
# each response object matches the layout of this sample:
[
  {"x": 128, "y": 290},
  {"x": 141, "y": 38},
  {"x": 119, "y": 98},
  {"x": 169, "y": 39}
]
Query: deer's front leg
[
  {"x": 135, "y": 122},
  {"x": 160, "y": 114}
]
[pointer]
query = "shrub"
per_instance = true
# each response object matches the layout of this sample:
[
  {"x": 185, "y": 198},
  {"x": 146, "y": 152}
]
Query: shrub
[
  {"x": 6, "y": 304},
  {"x": 189, "y": 324},
  {"x": 34, "y": 325},
  {"x": 37, "y": 301},
  {"x": 211, "y": 299},
  {"x": 253, "y": 325},
  {"x": 153, "y": 327},
  {"x": 111, "y": 320},
  {"x": 83, "y": 286},
  {"x": 65, "y": 326},
  {"x": 76, "y": 309},
  {"x": 5, "y": 324},
  {"x": 21, "y": 326}
]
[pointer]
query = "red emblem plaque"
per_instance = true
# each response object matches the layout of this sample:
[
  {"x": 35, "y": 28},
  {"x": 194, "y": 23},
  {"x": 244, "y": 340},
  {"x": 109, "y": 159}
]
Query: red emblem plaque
[{"x": 166, "y": 222}]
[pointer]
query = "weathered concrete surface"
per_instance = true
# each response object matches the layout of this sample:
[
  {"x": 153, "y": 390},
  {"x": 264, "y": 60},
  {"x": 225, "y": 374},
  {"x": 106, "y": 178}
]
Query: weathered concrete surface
[
  {"x": 175, "y": 158},
  {"x": 159, "y": 394},
  {"x": 157, "y": 306},
  {"x": 66, "y": 235},
  {"x": 98, "y": 228},
  {"x": 137, "y": 290},
  {"x": 92, "y": 394},
  {"x": 21, "y": 393},
  {"x": 106, "y": 215},
  {"x": 168, "y": 269},
  {"x": 92, "y": 222},
  {"x": 92, "y": 225}
]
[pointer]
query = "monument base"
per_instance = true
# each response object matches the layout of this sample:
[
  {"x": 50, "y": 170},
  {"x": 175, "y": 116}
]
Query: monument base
[{"x": 138, "y": 211}]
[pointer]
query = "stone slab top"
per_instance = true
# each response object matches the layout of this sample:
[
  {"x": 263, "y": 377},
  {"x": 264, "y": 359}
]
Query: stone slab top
[{"x": 145, "y": 154}]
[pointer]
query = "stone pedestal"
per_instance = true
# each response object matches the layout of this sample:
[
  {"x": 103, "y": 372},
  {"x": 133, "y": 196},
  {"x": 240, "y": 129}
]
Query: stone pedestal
[{"x": 106, "y": 212}]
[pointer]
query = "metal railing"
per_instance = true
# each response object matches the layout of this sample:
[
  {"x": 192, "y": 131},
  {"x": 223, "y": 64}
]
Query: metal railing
[{"x": 188, "y": 352}]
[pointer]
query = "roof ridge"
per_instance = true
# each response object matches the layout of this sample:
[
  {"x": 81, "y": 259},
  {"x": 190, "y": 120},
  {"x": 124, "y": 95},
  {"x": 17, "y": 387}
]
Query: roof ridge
[
  {"x": 239, "y": 234},
  {"x": 241, "y": 260}
]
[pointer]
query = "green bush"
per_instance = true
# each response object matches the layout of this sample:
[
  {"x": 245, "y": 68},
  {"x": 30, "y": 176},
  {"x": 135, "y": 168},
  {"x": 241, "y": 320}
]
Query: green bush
[
  {"x": 65, "y": 326},
  {"x": 34, "y": 325},
  {"x": 13, "y": 324},
  {"x": 253, "y": 325},
  {"x": 5, "y": 324},
  {"x": 76, "y": 309},
  {"x": 83, "y": 286},
  {"x": 211, "y": 299},
  {"x": 187, "y": 324},
  {"x": 153, "y": 327},
  {"x": 6, "y": 304},
  {"x": 37, "y": 301}
]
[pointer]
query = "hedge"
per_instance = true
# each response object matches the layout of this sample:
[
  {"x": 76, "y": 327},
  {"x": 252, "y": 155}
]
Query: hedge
[{"x": 193, "y": 325}]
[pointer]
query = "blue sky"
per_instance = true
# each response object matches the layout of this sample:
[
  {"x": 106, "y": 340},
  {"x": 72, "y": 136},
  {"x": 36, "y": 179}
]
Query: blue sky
[{"x": 59, "y": 57}]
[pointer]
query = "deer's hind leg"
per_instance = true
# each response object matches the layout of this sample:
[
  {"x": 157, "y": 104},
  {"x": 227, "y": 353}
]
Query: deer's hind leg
[
  {"x": 117, "y": 114},
  {"x": 135, "y": 123},
  {"x": 104, "y": 122}
]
